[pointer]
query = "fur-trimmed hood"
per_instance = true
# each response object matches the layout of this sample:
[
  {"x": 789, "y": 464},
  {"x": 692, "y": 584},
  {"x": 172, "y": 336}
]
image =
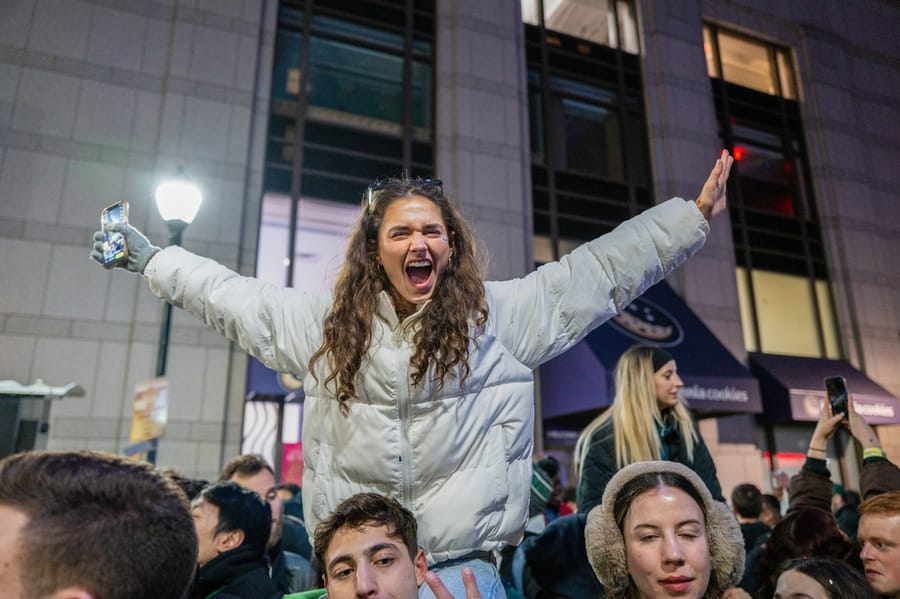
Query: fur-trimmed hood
[{"x": 606, "y": 545}]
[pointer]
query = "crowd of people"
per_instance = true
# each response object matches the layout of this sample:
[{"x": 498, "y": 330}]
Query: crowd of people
[{"x": 418, "y": 442}]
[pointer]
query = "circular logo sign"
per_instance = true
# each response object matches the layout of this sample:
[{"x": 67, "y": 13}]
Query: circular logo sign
[{"x": 645, "y": 321}]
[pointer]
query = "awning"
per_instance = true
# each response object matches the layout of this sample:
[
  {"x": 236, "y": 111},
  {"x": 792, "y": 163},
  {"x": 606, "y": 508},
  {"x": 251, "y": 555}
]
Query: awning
[
  {"x": 793, "y": 389},
  {"x": 576, "y": 384},
  {"x": 264, "y": 384}
]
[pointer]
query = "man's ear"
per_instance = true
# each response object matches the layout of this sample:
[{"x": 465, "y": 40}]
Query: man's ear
[
  {"x": 421, "y": 564},
  {"x": 71, "y": 593},
  {"x": 226, "y": 541}
]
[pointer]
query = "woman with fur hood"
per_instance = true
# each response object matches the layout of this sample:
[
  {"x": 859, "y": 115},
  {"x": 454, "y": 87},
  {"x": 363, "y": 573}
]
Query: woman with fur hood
[{"x": 659, "y": 533}]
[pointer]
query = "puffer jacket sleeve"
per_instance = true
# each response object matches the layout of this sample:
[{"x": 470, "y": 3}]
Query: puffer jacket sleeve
[
  {"x": 275, "y": 324},
  {"x": 539, "y": 316},
  {"x": 811, "y": 487},
  {"x": 599, "y": 466}
]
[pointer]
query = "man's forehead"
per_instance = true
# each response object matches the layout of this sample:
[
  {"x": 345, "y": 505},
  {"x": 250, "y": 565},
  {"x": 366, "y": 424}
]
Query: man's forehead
[
  {"x": 360, "y": 540},
  {"x": 880, "y": 525}
]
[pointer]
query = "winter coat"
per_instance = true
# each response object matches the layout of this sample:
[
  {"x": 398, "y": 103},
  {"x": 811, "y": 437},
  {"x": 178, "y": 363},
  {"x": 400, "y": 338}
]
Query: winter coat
[
  {"x": 458, "y": 457},
  {"x": 600, "y": 464},
  {"x": 237, "y": 574},
  {"x": 811, "y": 487}
]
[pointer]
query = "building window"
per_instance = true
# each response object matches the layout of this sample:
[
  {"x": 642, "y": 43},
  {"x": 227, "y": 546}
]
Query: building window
[
  {"x": 352, "y": 100},
  {"x": 601, "y": 22},
  {"x": 793, "y": 314},
  {"x": 782, "y": 272},
  {"x": 748, "y": 62},
  {"x": 590, "y": 161}
]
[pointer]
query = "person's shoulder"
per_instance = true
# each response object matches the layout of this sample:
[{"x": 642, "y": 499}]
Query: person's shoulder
[{"x": 604, "y": 433}]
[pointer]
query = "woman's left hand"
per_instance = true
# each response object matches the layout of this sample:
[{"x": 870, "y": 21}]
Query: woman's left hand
[{"x": 711, "y": 200}]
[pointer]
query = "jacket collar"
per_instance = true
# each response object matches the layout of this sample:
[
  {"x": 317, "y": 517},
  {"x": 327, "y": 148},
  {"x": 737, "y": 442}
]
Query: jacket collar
[{"x": 388, "y": 313}]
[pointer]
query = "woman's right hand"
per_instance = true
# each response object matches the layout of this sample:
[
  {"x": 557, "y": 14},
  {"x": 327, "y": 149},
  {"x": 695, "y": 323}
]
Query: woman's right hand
[{"x": 825, "y": 428}]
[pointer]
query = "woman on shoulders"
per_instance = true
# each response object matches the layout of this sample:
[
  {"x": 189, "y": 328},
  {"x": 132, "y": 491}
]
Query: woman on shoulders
[{"x": 647, "y": 421}]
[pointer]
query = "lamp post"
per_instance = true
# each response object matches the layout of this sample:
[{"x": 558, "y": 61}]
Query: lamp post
[{"x": 177, "y": 201}]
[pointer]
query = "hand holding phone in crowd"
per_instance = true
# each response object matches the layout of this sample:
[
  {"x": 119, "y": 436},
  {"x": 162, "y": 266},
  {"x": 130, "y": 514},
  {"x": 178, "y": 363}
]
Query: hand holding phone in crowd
[
  {"x": 836, "y": 388},
  {"x": 119, "y": 244},
  {"x": 115, "y": 250}
]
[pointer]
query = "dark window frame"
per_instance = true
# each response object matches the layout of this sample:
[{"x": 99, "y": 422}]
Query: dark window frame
[
  {"x": 762, "y": 238},
  {"x": 568, "y": 203}
]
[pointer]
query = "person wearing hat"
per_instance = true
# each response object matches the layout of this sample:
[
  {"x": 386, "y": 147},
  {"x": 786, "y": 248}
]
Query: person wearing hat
[
  {"x": 647, "y": 421},
  {"x": 660, "y": 533}
]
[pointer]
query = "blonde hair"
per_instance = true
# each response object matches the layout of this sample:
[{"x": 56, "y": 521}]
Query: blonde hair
[{"x": 635, "y": 414}]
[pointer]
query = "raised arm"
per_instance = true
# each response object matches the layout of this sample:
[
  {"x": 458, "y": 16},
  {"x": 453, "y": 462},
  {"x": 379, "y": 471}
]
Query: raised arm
[
  {"x": 878, "y": 473},
  {"x": 279, "y": 326},
  {"x": 545, "y": 313},
  {"x": 811, "y": 487}
]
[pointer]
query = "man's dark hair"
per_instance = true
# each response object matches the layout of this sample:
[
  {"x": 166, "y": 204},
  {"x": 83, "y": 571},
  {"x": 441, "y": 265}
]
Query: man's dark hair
[
  {"x": 368, "y": 509},
  {"x": 240, "y": 509},
  {"x": 190, "y": 486},
  {"x": 771, "y": 501},
  {"x": 747, "y": 500},
  {"x": 117, "y": 528},
  {"x": 245, "y": 465}
]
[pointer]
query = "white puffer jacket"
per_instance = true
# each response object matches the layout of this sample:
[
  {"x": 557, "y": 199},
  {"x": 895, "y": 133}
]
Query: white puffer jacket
[{"x": 460, "y": 459}]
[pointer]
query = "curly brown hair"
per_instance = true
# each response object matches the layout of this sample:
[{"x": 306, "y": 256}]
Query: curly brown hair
[{"x": 456, "y": 315}]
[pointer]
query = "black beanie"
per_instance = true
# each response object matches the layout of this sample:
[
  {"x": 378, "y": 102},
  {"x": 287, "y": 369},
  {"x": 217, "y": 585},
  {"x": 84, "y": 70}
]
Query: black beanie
[{"x": 660, "y": 358}]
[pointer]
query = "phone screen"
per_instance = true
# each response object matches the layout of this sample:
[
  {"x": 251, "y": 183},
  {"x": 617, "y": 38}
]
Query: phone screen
[
  {"x": 114, "y": 250},
  {"x": 836, "y": 387}
]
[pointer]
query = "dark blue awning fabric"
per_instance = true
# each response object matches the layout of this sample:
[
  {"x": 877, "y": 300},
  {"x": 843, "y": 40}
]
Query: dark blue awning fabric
[
  {"x": 264, "y": 384},
  {"x": 793, "y": 389},
  {"x": 581, "y": 380}
]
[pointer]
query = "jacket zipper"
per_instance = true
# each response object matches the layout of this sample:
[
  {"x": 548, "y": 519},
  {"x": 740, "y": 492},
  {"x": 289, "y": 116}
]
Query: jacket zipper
[{"x": 403, "y": 400}]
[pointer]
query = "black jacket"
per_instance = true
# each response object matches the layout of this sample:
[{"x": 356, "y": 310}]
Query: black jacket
[
  {"x": 557, "y": 561},
  {"x": 600, "y": 465},
  {"x": 237, "y": 574}
]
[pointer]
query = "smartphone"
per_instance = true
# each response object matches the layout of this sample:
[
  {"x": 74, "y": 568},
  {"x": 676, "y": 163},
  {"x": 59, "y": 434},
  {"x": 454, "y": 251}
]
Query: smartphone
[
  {"x": 115, "y": 251},
  {"x": 836, "y": 388}
]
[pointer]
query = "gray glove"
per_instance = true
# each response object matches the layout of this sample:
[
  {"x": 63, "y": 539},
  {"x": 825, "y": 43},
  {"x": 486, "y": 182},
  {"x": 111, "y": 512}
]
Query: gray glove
[{"x": 140, "y": 250}]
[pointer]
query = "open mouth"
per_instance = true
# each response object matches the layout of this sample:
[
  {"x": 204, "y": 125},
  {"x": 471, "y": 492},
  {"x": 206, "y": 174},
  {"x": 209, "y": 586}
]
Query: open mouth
[{"x": 419, "y": 272}]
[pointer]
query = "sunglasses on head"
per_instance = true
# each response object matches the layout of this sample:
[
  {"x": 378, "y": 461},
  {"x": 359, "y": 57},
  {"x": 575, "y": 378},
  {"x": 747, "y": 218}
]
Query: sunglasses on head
[{"x": 420, "y": 184}]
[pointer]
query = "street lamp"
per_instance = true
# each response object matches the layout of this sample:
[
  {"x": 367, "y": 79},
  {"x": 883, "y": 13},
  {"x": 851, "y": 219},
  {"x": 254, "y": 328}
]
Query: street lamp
[{"x": 177, "y": 201}]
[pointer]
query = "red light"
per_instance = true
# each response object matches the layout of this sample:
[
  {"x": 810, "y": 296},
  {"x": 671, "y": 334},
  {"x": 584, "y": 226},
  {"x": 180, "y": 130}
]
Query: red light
[
  {"x": 738, "y": 152},
  {"x": 788, "y": 167}
]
